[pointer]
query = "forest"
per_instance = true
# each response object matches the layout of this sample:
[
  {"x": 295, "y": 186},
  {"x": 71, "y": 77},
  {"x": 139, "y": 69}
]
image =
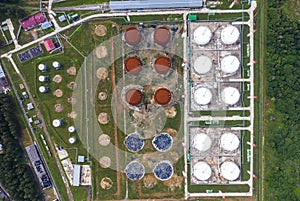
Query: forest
[
  {"x": 15, "y": 175},
  {"x": 282, "y": 153},
  {"x": 10, "y": 9}
]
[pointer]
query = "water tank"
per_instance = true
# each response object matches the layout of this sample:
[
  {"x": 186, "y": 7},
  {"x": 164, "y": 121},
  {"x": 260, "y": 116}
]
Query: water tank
[
  {"x": 163, "y": 170},
  {"x": 134, "y": 142},
  {"x": 134, "y": 171},
  {"x": 163, "y": 142}
]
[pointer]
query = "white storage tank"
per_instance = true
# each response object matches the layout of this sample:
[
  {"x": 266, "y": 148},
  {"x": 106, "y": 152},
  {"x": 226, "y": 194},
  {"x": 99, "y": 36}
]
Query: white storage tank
[
  {"x": 230, "y": 64},
  {"x": 57, "y": 123},
  {"x": 202, "y": 35},
  {"x": 71, "y": 129},
  {"x": 56, "y": 65},
  {"x": 202, "y": 65},
  {"x": 202, "y": 96},
  {"x": 230, "y": 95},
  {"x": 43, "y": 89},
  {"x": 230, "y": 35},
  {"x": 42, "y": 67},
  {"x": 43, "y": 78},
  {"x": 230, "y": 171},
  {"x": 202, "y": 142},
  {"x": 72, "y": 140},
  {"x": 229, "y": 141},
  {"x": 202, "y": 171}
]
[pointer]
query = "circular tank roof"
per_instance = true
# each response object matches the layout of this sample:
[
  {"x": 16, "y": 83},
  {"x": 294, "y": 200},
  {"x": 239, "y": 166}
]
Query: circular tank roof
[
  {"x": 162, "y": 35},
  {"x": 163, "y": 170},
  {"x": 202, "y": 142},
  {"x": 72, "y": 140},
  {"x": 56, "y": 123},
  {"x": 230, "y": 34},
  {"x": 42, "y": 78},
  {"x": 202, "y": 171},
  {"x": 42, "y": 89},
  {"x": 229, "y": 141},
  {"x": 133, "y": 96},
  {"x": 55, "y": 64},
  {"x": 134, "y": 171},
  {"x": 162, "y": 96},
  {"x": 230, "y": 64},
  {"x": 202, "y": 96},
  {"x": 71, "y": 129},
  {"x": 132, "y": 36},
  {"x": 163, "y": 142},
  {"x": 133, "y": 65},
  {"x": 202, "y": 65},
  {"x": 230, "y": 171},
  {"x": 202, "y": 35},
  {"x": 42, "y": 67},
  {"x": 133, "y": 142},
  {"x": 162, "y": 65},
  {"x": 230, "y": 95}
]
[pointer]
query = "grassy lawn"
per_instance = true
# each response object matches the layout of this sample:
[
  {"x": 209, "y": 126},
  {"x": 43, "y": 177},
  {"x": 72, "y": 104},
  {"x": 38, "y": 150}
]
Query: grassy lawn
[
  {"x": 260, "y": 89},
  {"x": 68, "y": 3}
]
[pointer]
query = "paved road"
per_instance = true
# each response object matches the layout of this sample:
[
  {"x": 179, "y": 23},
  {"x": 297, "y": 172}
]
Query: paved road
[
  {"x": 103, "y": 6},
  {"x": 11, "y": 31}
]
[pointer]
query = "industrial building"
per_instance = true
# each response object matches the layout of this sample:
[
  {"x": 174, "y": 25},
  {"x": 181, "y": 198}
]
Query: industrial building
[{"x": 153, "y": 4}]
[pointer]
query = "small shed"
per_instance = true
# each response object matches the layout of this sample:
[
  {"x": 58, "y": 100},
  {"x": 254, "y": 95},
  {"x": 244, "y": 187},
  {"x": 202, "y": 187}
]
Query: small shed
[
  {"x": 76, "y": 175},
  {"x": 62, "y": 18},
  {"x": 49, "y": 45},
  {"x": 192, "y": 17},
  {"x": 30, "y": 106},
  {"x": 81, "y": 159}
]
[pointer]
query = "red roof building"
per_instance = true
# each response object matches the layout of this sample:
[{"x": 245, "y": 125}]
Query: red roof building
[
  {"x": 33, "y": 21},
  {"x": 49, "y": 45}
]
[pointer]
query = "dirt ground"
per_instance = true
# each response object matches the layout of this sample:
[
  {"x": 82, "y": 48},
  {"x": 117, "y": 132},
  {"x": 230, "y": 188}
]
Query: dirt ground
[
  {"x": 58, "y": 107},
  {"x": 71, "y": 70},
  {"x": 174, "y": 182},
  {"x": 102, "y": 73},
  {"x": 101, "y": 52},
  {"x": 100, "y": 30},
  {"x": 106, "y": 183},
  {"x": 57, "y": 79},
  {"x": 58, "y": 93},
  {"x": 72, "y": 115}
]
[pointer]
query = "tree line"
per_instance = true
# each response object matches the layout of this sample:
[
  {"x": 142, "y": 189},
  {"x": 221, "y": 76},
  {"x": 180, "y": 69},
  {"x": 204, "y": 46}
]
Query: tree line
[
  {"x": 15, "y": 174},
  {"x": 282, "y": 170}
]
